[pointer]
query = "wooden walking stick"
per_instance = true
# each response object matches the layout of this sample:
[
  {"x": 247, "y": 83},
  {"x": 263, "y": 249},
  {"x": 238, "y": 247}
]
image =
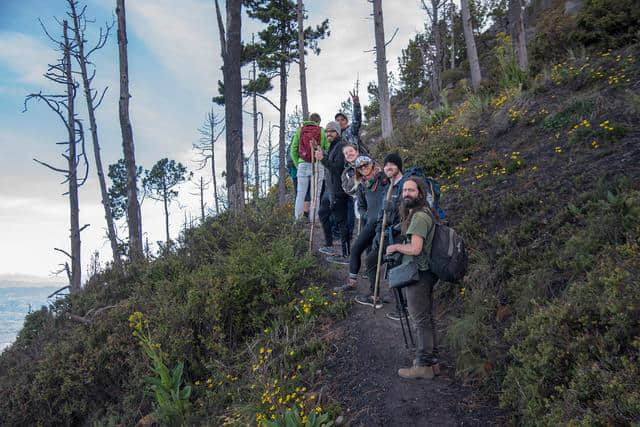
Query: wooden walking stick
[{"x": 381, "y": 248}]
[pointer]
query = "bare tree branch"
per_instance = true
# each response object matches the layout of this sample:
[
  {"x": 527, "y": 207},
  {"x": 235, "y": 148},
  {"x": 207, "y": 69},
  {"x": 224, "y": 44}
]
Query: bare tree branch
[
  {"x": 51, "y": 167},
  {"x": 63, "y": 251}
]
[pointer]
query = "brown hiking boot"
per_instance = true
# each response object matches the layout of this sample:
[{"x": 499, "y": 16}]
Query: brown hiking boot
[{"x": 417, "y": 372}]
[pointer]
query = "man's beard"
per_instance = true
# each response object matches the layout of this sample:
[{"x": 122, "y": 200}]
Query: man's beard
[{"x": 410, "y": 203}]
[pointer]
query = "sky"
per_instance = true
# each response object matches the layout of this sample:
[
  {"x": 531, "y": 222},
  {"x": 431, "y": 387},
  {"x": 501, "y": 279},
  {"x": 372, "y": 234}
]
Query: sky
[{"x": 174, "y": 67}]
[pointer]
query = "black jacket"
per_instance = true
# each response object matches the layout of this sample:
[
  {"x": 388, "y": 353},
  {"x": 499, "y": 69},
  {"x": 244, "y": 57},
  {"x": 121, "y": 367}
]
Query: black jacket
[
  {"x": 334, "y": 162},
  {"x": 371, "y": 196}
]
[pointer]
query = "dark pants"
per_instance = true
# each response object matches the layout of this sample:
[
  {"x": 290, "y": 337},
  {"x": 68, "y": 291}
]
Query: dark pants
[
  {"x": 336, "y": 206},
  {"x": 351, "y": 217},
  {"x": 371, "y": 262},
  {"x": 420, "y": 305},
  {"x": 363, "y": 241}
]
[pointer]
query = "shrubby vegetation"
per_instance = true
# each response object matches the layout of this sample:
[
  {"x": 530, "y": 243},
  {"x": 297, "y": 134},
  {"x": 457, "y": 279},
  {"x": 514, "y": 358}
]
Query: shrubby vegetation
[
  {"x": 232, "y": 309},
  {"x": 538, "y": 176}
]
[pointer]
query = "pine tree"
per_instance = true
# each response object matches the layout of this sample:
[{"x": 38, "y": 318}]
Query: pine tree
[{"x": 276, "y": 48}]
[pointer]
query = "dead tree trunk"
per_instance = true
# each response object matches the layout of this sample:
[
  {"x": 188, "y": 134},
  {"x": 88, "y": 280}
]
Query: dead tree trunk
[
  {"x": 518, "y": 34},
  {"x": 230, "y": 50},
  {"x": 437, "y": 58},
  {"x": 453, "y": 34},
  {"x": 202, "y": 199},
  {"x": 472, "y": 53},
  {"x": 74, "y": 207},
  {"x": 134, "y": 219},
  {"x": 381, "y": 66},
  {"x": 64, "y": 107},
  {"x": 83, "y": 58},
  {"x": 165, "y": 198},
  {"x": 303, "y": 71},
  {"x": 213, "y": 173},
  {"x": 269, "y": 159},
  {"x": 282, "y": 158},
  {"x": 256, "y": 164}
]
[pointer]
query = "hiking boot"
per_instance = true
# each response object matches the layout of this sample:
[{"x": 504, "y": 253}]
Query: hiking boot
[
  {"x": 393, "y": 315},
  {"x": 368, "y": 300},
  {"x": 417, "y": 372},
  {"x": 337, "y": 259},
  {"x": 327, "y": 250}
]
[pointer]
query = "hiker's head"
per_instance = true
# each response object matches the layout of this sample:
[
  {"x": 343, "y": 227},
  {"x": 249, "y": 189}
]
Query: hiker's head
[
  {"x": 364, "y": 166},
  {"x": 392, "y": 165},
  {"x": 333, "y": 131},
  {"x": 342, "y": 119},
  {"x": 350, "y": 152},
  {"x": 315, "y": 117},
  {"x": 413, "y": 196}
]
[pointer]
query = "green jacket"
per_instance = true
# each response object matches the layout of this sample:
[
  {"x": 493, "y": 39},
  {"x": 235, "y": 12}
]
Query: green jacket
[{"x": 295, "y": 142}]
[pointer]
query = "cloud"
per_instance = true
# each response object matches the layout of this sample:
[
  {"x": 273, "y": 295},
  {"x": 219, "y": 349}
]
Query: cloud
[
  {"x": 26, "y": 56},
  {"x": 182, "y": 36}
]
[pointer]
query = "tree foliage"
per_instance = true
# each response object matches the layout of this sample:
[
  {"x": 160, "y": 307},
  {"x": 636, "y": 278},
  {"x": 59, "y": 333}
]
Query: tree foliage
[{"x": 118, "y": 189}]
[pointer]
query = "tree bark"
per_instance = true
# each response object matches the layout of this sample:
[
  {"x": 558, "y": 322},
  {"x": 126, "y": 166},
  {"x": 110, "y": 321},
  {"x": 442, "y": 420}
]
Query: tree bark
[
  {"x": 202, "y": 200},
  {"x": 269, "y": 158},
  {"x": 134, "y": 219},
  {"x": 453, "y": 36},
  {"x": 472, "y": 53},
  {"x": 303, "y": 71},
  {"x": 438, "y": 58},
  {"x": 74, "y": 209},
  {"x": 518, "y": 33},
  {"x": 233, "y": 106},
  {"x": 82, "y": 61},
  {"x": 282, "y": 157},
  {"x": 213, "y": 166},
  {"x": 165, "y": 197},
  {"x": 256, "y": 163},
  {"x": 381, "y": 65}
]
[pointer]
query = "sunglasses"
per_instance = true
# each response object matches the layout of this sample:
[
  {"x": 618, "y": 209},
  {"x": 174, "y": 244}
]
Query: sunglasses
[{"x": 366, "y": 165}]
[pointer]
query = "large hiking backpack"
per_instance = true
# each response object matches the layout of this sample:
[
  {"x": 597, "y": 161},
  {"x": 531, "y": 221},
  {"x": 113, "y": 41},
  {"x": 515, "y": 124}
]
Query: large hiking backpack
[
  {"x": 449, "y": 259},
  {"x": 308, "y": 133},
  {"x": 432, "y": 187}
]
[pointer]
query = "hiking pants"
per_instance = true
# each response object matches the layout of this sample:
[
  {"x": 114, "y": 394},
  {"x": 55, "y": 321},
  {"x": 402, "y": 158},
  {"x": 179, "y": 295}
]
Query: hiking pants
[
  {"x": 303, "y": 185},
  {"x": 363, "y": 241},
  {"x": 420, "y": 305},
  {"x": 336, "y": 206},
  {"x": 371, "y": 262}
]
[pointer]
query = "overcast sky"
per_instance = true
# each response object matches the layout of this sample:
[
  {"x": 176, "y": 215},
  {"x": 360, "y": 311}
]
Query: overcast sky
[{"x": 174, "y": 66}]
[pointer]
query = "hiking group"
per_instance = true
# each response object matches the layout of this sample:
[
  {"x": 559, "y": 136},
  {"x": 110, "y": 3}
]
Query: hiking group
[{"x": 399, "y": 222}]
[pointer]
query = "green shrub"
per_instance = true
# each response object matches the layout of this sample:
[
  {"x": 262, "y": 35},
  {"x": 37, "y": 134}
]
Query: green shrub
[
  {"x": 608, "y": 23},
  {"x": 226, "y": 281}
]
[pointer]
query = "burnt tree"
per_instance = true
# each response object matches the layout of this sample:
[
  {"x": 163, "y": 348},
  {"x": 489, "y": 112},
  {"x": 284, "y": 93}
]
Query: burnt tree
[
  {"x": 134, "y": 218},
  {"x": 231, "y": 50},
  {"x": 63, "y": 105},
  {"x": 206, "y": 149},
  {"x": 83, "y": 57}
]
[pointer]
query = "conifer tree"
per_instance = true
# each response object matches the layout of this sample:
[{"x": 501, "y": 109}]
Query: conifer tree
[{"x": 276, "y": 48}]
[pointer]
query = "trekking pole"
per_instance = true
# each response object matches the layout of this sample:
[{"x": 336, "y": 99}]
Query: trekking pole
[{"x": 381, "y": 248}]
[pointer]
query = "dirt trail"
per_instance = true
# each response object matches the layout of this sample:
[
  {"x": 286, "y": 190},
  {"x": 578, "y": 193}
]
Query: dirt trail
[{"x": 361, "y": 372}]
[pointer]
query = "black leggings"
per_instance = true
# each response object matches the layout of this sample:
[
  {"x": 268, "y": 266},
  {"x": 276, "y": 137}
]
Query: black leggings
[
  {"x": 336, "y": 206},
  {"x": 363, "y": 241}
]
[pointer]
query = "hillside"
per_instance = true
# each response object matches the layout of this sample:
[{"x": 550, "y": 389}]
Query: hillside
[{"x": 540, "y": 174}]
